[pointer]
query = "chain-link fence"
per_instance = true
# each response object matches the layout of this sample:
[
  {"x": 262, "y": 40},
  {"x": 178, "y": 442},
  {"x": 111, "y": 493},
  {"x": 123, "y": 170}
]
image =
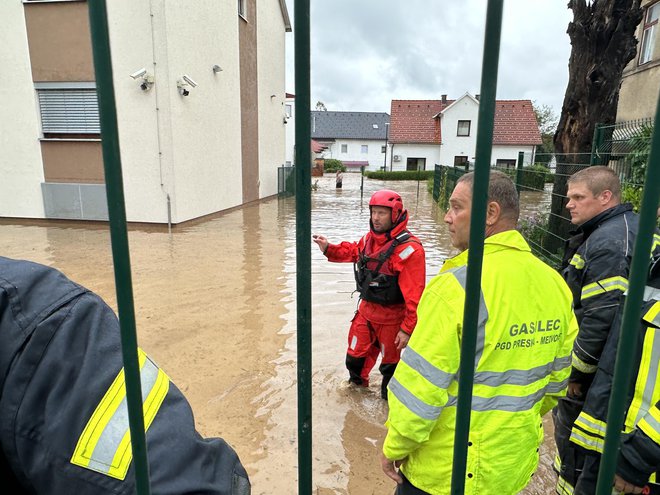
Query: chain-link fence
[{"x": 623, "y": 146}]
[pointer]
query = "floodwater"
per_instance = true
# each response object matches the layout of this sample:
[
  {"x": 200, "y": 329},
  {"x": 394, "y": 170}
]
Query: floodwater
[{"x": 215, "y": 306}]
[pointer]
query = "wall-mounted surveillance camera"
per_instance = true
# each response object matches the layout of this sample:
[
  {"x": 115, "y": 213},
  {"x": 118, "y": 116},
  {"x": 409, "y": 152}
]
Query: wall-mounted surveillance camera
[
  {"x": 216, "y": 68},
  {"x": 183, "y": 91},
  {"x": 139, "y": 73},
  {"x": 189, "y": 80}
]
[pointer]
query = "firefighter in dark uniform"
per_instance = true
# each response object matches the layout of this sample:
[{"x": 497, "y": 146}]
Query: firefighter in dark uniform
[
  {"x": 390, "y": 274},
  {"x": 596, "y": 267},
  {"x": 639, "y": 455},
  {"x": 63, "y": 415}
]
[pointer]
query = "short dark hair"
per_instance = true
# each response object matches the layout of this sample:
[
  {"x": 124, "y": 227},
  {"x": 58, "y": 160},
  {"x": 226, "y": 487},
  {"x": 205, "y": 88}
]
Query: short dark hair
[
  {"x": 598, "y": 179},
  {"x": 501, "y": 190}
]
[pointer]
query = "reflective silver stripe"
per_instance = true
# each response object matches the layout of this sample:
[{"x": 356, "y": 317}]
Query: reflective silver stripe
[
  {"x": 588, "y": 442},
  {"x": 653, "y": 423},
  {"x": 520, "y": 377},
  {"x": 586, "y": 423},
  {"x": 651, "y": 293},
  {"x": 461, "y": 275},
  {"x": 106, "y": 447},
  {"x": 418, "y": 407},
  {"x": 436, "y": 376},
  {"x": 651, "y": 377}
]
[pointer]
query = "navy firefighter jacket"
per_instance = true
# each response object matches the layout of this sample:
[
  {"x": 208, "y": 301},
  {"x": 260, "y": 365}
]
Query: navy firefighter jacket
[{"x": 63, "y": 415}]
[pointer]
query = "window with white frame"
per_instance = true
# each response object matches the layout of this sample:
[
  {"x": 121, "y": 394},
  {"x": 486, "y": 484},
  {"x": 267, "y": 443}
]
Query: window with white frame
[
  {"x": 288, "y": 109},
  {"x": 344, "y": 148},
  {"x": 364, "y": 148},
  {"x": 463, "y": 128},
  {"x": 68, "y": 110},
  {"x": 242, "y": 8},
  {"x": 647, "y": 52}
]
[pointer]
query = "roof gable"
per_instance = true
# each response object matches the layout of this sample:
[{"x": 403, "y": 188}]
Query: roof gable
[
  {"x": 349, "y": 125},
  {"x": 458, "y": 100}
]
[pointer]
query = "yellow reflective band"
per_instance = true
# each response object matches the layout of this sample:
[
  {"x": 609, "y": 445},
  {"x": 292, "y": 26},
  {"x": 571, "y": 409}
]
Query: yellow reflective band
[
  {"x": 650, "y": 425},
  {"x": 587, "y": 441},
  {"x": 652, "y": 316},
  {"x": 646, "y": 393},
  {"x": 564, "y": 487},
  {"x": 656, "y": 242},
  {"x": 582, "y": 366},
  {"x": 105, "y": 445},
  {"x": 605, "y": 285},
  {"x": 590, "y": 424},
  {"x": 577, "y": 261}
]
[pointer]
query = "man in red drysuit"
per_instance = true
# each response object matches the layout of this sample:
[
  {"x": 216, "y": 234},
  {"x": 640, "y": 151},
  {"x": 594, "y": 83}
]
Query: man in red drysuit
[{"x": 390, "y": 273}]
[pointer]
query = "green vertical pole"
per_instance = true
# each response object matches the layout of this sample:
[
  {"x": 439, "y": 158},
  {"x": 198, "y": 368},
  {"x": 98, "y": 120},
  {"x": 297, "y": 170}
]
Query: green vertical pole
[
  {"x": 303, "y": 244},
  {"x": 476, "y": 246},
  {"x": 631, "y": 315},
  {"x": 519, "y": 171},
  {"x": 98, "y": 20}
]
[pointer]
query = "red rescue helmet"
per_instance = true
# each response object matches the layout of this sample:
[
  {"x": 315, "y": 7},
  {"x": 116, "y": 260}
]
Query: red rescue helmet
[{"x": 389, "y": 199}]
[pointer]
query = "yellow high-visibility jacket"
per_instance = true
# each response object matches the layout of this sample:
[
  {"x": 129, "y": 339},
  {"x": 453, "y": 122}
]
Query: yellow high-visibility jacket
[{"x": 523, "y": 358}]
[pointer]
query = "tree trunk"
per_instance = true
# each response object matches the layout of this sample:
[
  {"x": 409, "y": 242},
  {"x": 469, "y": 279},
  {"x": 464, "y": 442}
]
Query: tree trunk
[{"x": 603, "y": 41}]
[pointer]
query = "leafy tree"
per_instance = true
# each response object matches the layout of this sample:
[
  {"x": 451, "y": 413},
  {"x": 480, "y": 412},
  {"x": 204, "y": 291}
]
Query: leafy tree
[
  {"x": 547, "y": 120},
  {"x": 603, "y": 41},
  {"x": 321, "y": 106}
]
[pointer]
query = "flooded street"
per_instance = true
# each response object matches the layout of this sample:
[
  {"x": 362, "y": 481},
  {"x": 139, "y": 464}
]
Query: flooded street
[{"x": 216, "y": 309}]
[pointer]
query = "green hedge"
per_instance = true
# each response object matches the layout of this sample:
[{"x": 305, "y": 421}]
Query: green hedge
[
  {"x": 400, "y": 175},
  {"x": 533, "y": 178},
  {"x": 332, "y": 165}
]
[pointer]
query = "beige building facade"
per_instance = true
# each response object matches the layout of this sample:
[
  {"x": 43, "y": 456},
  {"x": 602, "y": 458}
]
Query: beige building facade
[
  {"x": 638, "y": 96},
  {"x": 199, "y": 88}
]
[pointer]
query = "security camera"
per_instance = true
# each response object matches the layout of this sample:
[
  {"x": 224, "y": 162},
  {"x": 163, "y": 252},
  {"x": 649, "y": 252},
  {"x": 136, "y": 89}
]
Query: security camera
[
  {"x": 189, "y": 80},
  {"x": 139, "y": 73},
  {"x": 183, "y": 91}
]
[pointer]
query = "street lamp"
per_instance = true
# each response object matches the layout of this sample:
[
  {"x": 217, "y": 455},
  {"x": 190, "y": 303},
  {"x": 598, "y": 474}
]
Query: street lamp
[{"x": 387, "y": 128}]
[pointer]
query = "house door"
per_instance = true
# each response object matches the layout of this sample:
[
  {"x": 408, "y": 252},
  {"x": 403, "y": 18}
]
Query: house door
[{"x": 415, "y": 163}]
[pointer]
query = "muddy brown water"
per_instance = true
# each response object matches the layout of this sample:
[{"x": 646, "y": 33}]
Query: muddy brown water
[{"x": 215, "y": 306}]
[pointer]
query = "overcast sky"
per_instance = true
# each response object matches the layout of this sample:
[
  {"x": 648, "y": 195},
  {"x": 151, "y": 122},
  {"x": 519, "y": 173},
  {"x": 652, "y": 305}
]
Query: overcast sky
[{"x": 364, "y": 53}]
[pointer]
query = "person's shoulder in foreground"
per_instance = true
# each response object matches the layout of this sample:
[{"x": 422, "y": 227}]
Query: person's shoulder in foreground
[{"x": 63, "y": 400}]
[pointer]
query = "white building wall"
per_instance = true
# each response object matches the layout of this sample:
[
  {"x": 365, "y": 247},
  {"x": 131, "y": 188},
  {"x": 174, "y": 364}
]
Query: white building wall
[
  {"x": 187, "y": 147},
  {"x": 464, "y": 108},
  {"x": 354, "y": 151},
  {"x": 501, "y": 152},
  {"x": 21, "y": 169},
  {"x": 431, "y": 152},
  {"x": 271, "y": 77}
]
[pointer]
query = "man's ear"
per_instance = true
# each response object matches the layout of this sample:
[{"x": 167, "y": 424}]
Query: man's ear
[
  {"x": 605, "y": 196},
  {"x": 493, "y": 213}
]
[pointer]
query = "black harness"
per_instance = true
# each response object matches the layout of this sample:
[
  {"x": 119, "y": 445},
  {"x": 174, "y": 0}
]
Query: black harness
[{"x": 374, "y": 286}]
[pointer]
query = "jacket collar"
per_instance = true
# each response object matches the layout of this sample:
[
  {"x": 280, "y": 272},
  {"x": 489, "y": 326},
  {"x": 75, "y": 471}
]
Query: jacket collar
[
  {"x": 509, "y": 239},
  {"x": 590, "y": 225}
]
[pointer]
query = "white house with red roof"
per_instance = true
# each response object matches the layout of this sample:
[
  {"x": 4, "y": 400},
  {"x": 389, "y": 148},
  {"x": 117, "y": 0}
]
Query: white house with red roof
[{"x": 428, "y": 132}]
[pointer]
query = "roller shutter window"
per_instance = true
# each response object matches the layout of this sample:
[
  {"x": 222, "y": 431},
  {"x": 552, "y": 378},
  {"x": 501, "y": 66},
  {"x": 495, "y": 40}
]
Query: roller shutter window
[{"x": 69, "y": 111}]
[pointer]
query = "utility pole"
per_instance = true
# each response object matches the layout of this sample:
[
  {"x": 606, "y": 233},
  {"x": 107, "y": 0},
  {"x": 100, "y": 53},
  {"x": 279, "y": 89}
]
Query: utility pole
[{"x": 387, "y": 128}]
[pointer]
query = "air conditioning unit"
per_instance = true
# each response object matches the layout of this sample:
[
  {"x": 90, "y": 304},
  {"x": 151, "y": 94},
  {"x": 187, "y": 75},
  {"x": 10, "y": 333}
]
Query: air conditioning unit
[{"x": 396, "y": 158}]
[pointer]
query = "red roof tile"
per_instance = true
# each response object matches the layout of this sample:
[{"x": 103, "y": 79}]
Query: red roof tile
[
  {"x": 412, "y": 121},
  {"x": 515, "y": 123}
]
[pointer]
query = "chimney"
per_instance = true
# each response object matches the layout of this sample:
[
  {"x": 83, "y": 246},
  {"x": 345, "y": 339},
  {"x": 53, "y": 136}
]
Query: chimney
[
  {"x": 477, "y": 96},
  {"x": 444, "y": 99}
]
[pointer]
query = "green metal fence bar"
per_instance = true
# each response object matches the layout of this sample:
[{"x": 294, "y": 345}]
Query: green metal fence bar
[
  {"x": 476, "y": 245},
  {"x": 631, "y": 315},
  {"x": 98, "y": 20},
  {"x": 303, "y": 244},
  {"x": 519, "y": 171}
]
